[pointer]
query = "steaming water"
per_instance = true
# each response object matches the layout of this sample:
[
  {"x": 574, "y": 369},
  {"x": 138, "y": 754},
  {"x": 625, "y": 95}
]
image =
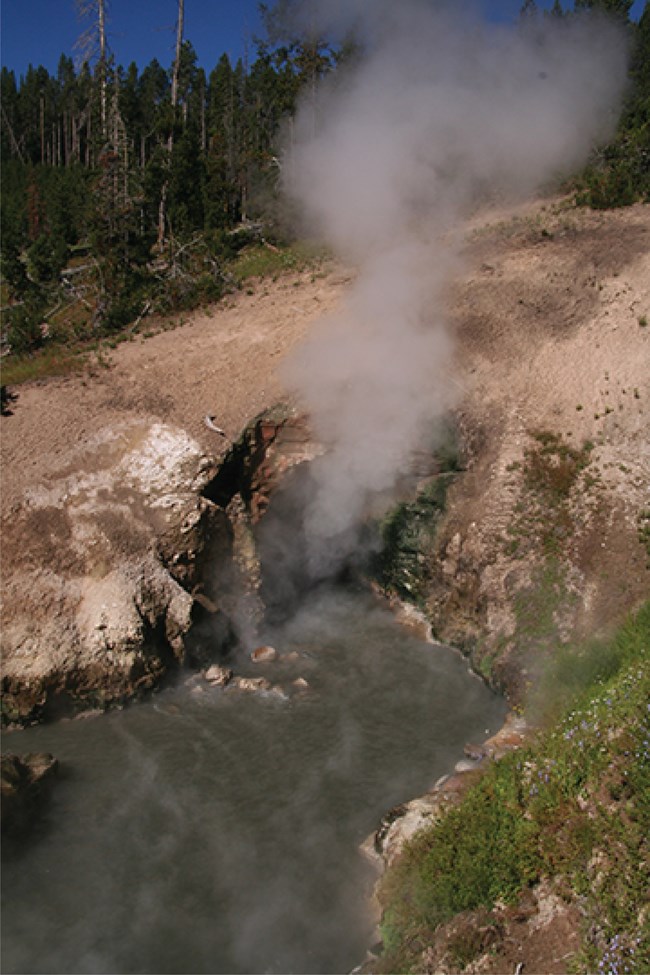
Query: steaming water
[{"x": 218, "y": 831}]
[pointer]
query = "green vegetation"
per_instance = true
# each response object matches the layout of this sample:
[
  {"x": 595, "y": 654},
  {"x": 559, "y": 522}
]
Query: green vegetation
[
  {"x": 128, "y": 193},
  {"x": 407, "y": 535},
  {"x": 574, "y": 807},
  {"x": 552, "y": 473},
  {"x": 408, "y": 531},
  {"x": 266, "y": 260},
  {"x": 56, "y": 341},
  {"x": 618, "y": 174}
]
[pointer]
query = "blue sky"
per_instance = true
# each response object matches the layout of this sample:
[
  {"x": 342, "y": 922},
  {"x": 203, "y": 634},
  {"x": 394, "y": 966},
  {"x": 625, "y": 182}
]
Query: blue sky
[{"x": 39, "y": 31}]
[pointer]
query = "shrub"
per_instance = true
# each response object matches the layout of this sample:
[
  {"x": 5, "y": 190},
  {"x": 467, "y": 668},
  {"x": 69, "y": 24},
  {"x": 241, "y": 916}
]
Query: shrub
[{"x": 22, "y": 327}]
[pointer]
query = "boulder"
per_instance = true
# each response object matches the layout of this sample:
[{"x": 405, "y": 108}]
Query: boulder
[
  {"x": 218, "y": 676},
  {"x": 251, "y": 684},
  {"x": 263, "y": 655}
]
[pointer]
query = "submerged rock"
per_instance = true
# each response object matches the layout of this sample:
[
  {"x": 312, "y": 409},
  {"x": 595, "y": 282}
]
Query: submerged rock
[
  {"x": 24, "y": 784},
  {"x": 291, "y": 657}
]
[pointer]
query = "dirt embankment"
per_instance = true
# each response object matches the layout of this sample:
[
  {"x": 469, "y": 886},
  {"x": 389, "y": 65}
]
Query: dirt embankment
[
  {"x": 542, "y": 541},
  {"x": 541, "y": 537}
]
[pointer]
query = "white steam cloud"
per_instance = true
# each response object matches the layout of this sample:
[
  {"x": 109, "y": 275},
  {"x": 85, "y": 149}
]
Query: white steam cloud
[{"x": 440, "y": 110}]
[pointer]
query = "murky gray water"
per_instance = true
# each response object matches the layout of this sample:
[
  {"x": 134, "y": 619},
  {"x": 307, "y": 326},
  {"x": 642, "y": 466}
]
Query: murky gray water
[{"x": 217, "y": 831}]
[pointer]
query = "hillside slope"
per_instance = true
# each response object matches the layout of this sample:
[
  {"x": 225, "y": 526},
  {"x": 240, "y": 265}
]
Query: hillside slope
[
  {"x": 543, "y": 539},
  {"x": 542, "y": 536}
]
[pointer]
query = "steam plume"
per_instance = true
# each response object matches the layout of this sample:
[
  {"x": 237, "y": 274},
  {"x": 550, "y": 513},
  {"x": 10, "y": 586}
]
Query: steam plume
[{"x": 439, "y": 110}]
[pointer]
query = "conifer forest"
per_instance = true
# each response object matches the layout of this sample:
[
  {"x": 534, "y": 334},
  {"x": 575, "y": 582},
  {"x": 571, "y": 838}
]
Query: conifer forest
[{"x": 126, "y": 190}]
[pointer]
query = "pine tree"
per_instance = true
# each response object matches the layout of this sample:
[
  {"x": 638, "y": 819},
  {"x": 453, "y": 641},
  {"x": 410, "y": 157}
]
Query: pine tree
[
  {"x": 529, "y": 11},
  {"x": 615, "y": 8}
]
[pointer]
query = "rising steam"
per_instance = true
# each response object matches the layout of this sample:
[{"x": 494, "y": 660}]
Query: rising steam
[{"x": 439, "y": 111}]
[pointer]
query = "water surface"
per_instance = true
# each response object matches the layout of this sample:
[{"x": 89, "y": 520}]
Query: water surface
[{"x": 211, "y": 831}]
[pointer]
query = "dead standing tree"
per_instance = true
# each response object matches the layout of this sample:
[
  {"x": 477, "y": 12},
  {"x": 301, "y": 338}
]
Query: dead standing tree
[
  {"x": 162, "y": 209},
  {"x": 92, "y": 44}
]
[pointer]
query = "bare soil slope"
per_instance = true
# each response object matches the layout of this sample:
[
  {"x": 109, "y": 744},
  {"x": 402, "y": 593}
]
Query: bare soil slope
[
  {"x": 221, "y": 362},
  {"x": 542, "y": 541}
]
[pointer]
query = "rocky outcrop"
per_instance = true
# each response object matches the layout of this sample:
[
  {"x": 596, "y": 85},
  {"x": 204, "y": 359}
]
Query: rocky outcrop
[
  {"x": 24, "y": 786},
  {"x": 95, "y": 611},
  {"x": 137, "y": 556},
  {"x": 270, "y": 445}
]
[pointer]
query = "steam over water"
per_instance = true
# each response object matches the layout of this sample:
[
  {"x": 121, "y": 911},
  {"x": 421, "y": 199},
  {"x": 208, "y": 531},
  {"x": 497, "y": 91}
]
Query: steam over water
[{"x": 218, "y": 831}]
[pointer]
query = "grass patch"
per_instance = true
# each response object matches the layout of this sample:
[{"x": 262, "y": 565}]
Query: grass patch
[
  {"x": 536, "y": 606},
  {"x": 55, "y": 361},
  {"x": 553, "y": 471},
  {"x": 552, "y": 467},
  {"x": 643, "y": 528},
  {"x": 265, "y": 260},
  {"x": 575, "y": 806}
]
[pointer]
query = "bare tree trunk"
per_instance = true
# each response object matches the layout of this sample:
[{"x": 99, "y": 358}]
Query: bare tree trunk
[
  {"x": 94, "y": 37},
  {"x": 101, "y": 19},
  {"x": 162, "y": 208},
  {"x": 15, "y": 148},
  {"x": 89, "y": 132},
  {"x": 204, "y": 140},
  {"x": 42, "y": 125},
  {"x": 179, "y": 44}
]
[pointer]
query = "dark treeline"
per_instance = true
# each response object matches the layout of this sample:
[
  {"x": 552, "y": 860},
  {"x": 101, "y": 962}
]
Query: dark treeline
[
  {"x": 139, "y": 173},
  {"x": 121, "y": 186},
  {"x": 223, "y": 127}
]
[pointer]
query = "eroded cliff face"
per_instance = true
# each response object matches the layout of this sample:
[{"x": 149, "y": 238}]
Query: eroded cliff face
[{"x": 110, "y": 565}]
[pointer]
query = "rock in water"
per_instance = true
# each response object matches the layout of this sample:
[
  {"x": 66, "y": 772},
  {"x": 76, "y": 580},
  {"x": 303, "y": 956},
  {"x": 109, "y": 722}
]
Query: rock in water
[
  {"x": 252, "y": 684},
  {"x": 24, "y": 783},
  {"x": 263, "y": 655},
  {"x": 218, "y": 676}
]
